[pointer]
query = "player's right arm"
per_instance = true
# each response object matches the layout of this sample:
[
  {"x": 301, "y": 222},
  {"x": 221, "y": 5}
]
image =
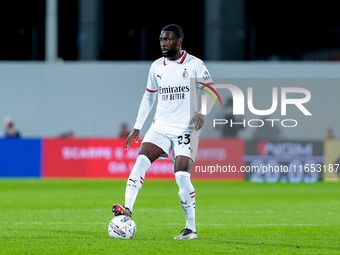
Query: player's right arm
[
  {"x": 145, "y": 107},
  {"x": 133, "y": 135}
]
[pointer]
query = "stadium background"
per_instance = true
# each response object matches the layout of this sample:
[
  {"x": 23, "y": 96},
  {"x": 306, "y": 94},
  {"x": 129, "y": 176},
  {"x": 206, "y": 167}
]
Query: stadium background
[
  {"x": 72, "y": 72},
  {"x": 81, "y": 67}
]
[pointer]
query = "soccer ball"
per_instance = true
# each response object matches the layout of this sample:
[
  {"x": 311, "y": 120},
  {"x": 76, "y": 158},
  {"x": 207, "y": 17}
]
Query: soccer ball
[{"x": 122, "y": 227}]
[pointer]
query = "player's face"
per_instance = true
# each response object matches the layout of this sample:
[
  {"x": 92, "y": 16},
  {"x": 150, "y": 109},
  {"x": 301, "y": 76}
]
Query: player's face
[{"x": 170, "y": 45}]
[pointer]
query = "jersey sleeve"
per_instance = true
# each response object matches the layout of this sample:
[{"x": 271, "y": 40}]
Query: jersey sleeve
[
  {"x": 144, "y": 109},
  {"x": 204, "y": 78},
  {"x": 148, "y": 99},
  {"x": 152, "y": 85},
  {"x": 202, "y": 71}
]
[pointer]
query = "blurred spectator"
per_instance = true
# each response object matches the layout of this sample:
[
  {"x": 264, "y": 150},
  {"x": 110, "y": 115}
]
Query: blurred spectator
[
  {"x": 227, "y": 130},
  {"x": 67, "y": 135},
  {"x": 124, "y": 131},
  {"x": 10, "y": 131},
  {"x": 329, "y": 134}
]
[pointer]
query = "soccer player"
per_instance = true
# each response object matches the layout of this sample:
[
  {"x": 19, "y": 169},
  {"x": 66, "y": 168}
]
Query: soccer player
[{"x": 172, "y": 127}]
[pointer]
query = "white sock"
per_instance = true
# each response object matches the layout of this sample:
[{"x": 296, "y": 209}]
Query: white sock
[
  {"x": 187, "y": 195},
  {"x": 136, "y": 180}
]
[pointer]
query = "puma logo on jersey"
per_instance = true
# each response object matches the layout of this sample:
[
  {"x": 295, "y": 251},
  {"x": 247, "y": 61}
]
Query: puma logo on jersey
[{"x": 159, "y": 76}]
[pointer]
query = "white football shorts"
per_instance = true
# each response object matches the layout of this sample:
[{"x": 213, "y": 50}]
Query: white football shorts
[{"x": 183, "y": 141}]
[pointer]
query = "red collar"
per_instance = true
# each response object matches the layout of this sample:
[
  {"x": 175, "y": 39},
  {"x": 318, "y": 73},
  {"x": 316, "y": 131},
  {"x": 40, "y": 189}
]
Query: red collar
[{"x": 180, "y": 60}]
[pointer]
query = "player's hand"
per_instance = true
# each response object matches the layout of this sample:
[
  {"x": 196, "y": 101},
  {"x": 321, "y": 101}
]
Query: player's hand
[
  {"x": 133, "y": 135},
  {"x": 198, "y": 120}
]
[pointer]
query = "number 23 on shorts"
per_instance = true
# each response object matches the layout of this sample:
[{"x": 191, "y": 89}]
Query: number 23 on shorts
[{"x": 185, "y": 140}]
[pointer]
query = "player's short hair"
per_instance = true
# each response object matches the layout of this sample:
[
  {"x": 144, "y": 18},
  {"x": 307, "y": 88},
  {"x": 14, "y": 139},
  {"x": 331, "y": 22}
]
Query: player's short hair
[{"x": 177, "y": 30}]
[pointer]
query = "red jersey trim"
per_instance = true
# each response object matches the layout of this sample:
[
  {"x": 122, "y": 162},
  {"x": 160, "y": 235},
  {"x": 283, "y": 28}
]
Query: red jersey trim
[
  {"x": 180, "y": 62},
  {"x": 152, "y": 91},
  {"x": 184, "y": 56}
]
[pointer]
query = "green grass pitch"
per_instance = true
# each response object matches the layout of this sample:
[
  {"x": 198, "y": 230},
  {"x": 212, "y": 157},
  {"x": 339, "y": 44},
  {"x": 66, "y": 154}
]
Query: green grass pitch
[{"x": 71, "y": 217}]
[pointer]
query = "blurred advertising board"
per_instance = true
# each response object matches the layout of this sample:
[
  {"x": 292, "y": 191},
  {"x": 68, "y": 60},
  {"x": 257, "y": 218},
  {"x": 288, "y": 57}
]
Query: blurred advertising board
[
  {"x": 284, "y": 161},
  {"x": 88, "y": 158},
  {"x": 20, "y": 157},
  {"x": 219, "y": 159},
  {"x": 107, "y": 158},
  {"x": 258, "y": 161}
]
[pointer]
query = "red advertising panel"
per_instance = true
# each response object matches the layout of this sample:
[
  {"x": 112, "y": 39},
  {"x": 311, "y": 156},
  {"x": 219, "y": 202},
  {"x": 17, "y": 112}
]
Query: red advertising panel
[
  {"x": 57, "y": 162},
  {"x": 107, "y": 158},
  {"x": 96, "y": 158},
  {"x": 219, "y": 159}
]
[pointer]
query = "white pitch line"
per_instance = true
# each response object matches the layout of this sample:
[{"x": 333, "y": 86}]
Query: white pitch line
[
  {"x": 169, "y": 211},
  {"x": 170, "y": 224},
  {"x": 158, "y": 210},
  {"x": 291, "y": 225},
  {"x": 258, "y": 225},
  {"x": 53, "y": 223}
]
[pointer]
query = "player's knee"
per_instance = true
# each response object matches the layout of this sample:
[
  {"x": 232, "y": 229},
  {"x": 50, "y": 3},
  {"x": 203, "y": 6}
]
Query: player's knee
[
  {"x": 183, "y": 163},
  {"x": 182, "y": 169},
  {"x": 151, "y": 151}
]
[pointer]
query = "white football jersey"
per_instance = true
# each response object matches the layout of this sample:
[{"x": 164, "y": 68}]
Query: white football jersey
[{"x": 171, "y": 80}]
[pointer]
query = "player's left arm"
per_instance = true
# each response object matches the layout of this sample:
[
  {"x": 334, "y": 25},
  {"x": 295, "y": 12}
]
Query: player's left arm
[
  {"x": 198, "y": 119},
  {"x": 202, "y": 73}
]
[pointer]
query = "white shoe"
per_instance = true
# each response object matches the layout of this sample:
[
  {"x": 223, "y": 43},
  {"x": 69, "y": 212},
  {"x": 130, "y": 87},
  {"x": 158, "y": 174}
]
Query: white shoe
[{"x": 186, "y": 234}]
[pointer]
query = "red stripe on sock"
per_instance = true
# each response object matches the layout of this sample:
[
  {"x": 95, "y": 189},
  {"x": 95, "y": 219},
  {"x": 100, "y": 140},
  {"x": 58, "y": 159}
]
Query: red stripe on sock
[
  {"x": 192, "y": 193},
  {"x": 193, "y": 196}
]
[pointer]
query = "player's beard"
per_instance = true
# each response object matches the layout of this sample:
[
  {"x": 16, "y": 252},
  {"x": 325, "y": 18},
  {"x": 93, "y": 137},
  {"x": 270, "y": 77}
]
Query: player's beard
[{"x": 170, "y": 53}]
